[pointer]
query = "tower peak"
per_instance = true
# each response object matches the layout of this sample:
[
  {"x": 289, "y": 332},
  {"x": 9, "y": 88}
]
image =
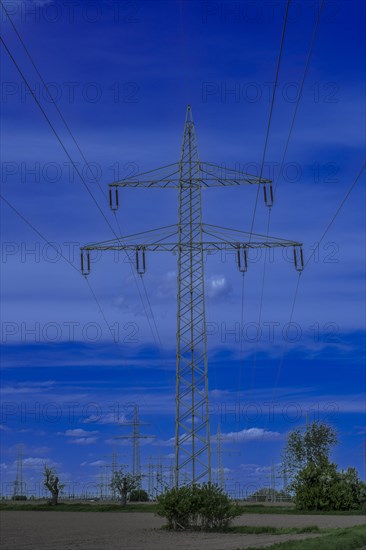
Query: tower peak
[
  {"x": 189, "y": 117},
  {"x": 189, "y": 151}
]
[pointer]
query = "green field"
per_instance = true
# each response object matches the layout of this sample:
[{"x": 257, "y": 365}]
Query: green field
[
  {"x": 76, "y": 507},
  {"x": 150, "y": 507},
  {"x": 260, "y": 530},
  {"x": 352, "y": 538},
  {"x": 263, "y": 509}
]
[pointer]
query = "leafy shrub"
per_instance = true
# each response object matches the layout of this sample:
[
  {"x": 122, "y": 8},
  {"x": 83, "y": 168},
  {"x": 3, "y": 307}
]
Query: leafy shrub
[
  {"x": 204, "y": 507},
  {"x": 19, "y": 497},
  {"x": 139, "y": 495},
  {"x": 323, "y": 487}
]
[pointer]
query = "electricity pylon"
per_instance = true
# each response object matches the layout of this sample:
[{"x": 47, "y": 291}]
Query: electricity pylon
[
  {"x": 113, "y": 468},
  {"x": 273, "y": 482},
  {"x": 135, "y": 436},
  {"x": 220, "y": 471},
  {"x": 220, "y": 479},
  {"x": 18, "y": 483},
  {"x": 190, "y": 238},
  {"x": 150, "y": 487}
]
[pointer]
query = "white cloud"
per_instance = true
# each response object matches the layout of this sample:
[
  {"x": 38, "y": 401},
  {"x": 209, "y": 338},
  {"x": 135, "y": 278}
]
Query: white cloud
[
  {"x": 256, "y": 476},
  {"x": 28, "y": 387},
  {"x": 166, "y": 443},
  {"x": 79, "y": 432},
  {"x": 219, "y": 394},
  {"x": 107, "y": 418},
  {"x": 36, "y": 462},
  {"x": 80, "y": 436},
  {"x": 218, "y": 287},
  {"x": 167, "y": 286},
  {"x": 95, "y": 463},
  {"x": 83, "y": 440},
  {"x": 251, "y": 434},
  {"x": 4, "y": 428},
  {"x": 121, "y": 303},
  {"x": 40, "y": 450}
]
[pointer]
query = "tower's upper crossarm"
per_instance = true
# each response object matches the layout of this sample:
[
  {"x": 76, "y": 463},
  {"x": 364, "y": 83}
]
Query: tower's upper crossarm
[
  {"x": 164, "y": 176},
  {"x": 215, "y": 175},
  {"x": 205, "y": 174}
]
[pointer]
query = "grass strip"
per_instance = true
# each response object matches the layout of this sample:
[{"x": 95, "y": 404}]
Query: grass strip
[
  {"x": 78, "y": 507},
  {"x": 260, "y": 530},
  {"x": 263, "y": 509},
  {"x": 351, "y": 538}
]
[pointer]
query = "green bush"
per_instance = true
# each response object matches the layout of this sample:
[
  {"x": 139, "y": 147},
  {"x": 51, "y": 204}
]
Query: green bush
[
  {"x": 138, "y": 495},
  {"x": 202, "y": 507},
  {"x": 323, "y": 487}
]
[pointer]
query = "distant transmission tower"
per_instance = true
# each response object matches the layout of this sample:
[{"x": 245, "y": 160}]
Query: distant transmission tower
[
  {"x": 104, "y": 482},
  {"x": 18, "y": 483},
  {"x": 171, "y": 475},
  {"x": 273, "y": 482},
  {"x": 191, "y": 239},
  {"x": 159, "y": 475},
  {"x": 135, "y": 436},
  {"x": 150, "y": 487},
  {"x": 112, "y": 469},
  {"x": 285, "y": 481},
  {"x": 220, "y": 479}
]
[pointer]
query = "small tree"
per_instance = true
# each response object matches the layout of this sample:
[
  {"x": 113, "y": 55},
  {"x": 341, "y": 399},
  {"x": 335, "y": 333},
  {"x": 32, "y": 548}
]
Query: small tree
[
  {"x": 311, "y": 445},
  {"x": 124, "y": 484},
  {"x": 316, "y": 482},
  {"x": 52, "y": 483}
]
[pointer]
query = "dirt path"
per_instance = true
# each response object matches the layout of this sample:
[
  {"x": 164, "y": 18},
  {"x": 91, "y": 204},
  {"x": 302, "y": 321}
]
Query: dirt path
[{"x": 139, "y": 531}]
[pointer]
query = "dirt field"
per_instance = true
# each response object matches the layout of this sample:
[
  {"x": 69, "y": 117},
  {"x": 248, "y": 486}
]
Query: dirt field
[{"x": 139, "y": 531}]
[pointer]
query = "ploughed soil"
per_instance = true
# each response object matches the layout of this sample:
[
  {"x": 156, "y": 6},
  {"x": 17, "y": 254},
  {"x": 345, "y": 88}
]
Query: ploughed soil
[{"x": 141, "y": 530}]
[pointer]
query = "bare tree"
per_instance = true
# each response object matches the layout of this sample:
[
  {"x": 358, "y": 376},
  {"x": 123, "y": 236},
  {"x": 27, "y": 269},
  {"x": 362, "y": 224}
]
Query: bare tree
[
  {"x": 124, "y": 483},
  {"x": 52, "y": 483}
]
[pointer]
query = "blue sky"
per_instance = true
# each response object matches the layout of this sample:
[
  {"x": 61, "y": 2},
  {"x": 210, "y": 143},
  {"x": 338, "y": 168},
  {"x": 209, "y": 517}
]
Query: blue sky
[{"x": 123, "y": 74}]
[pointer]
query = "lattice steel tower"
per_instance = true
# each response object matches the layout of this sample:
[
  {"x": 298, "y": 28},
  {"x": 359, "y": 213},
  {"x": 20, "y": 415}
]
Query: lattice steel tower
[
  {"x": 135, "y": 437},
  {"x": 190, "y": 238},
  {"x": 18, "y": 483},
  {"x": 220, "y": 479}
]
